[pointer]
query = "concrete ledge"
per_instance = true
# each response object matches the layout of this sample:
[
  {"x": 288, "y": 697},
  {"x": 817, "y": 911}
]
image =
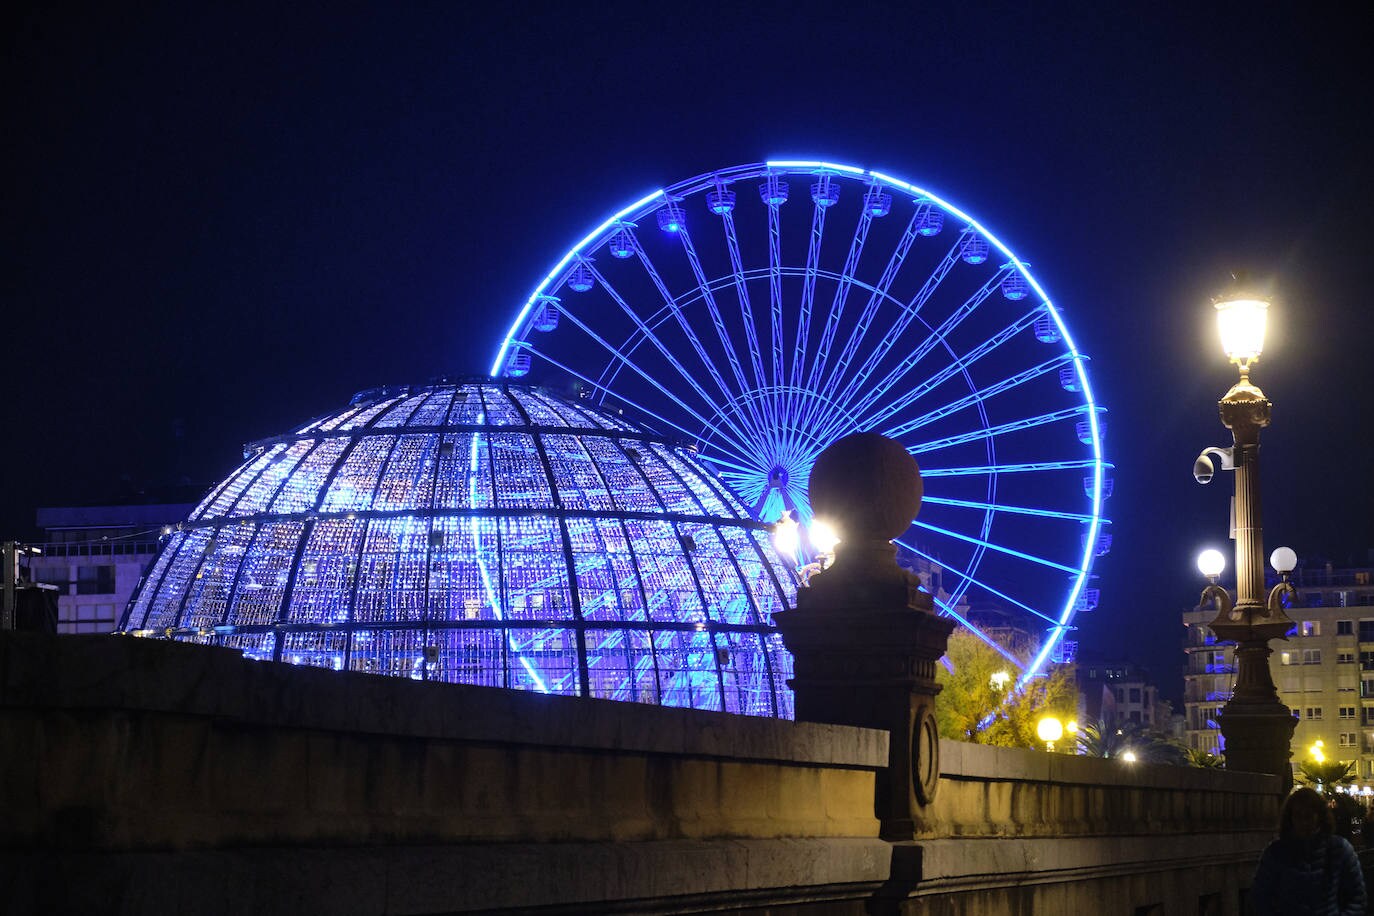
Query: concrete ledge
[
  {"x": 590, "y": 877},
  {"x": 961, "y": 760},
  {"x": 132, "y": 674},
  {"x": 1008, "y": 860}
]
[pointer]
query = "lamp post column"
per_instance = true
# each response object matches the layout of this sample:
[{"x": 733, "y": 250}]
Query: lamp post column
[{"x": 1257, "y": 728}]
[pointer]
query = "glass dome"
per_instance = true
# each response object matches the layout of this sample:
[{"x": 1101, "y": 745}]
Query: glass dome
[{"x": 483, "y": 532}]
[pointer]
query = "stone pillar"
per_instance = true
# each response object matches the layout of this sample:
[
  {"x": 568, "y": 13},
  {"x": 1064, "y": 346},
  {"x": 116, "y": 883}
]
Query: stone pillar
[{"x": 865, "y": 639}]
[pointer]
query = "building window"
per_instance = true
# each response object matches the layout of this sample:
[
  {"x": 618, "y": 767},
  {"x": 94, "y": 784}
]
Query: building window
[
  {"x": 1311, "y": 628},
  {"x": 1347, "y": 712},
  {"x": 1135, "y": 694},
  {"x": 1313, "y": 599},
  {"x": 1345, "y": 658},
  {"x": 1345, "y": 628},
  {"x": 1313, "y": 712},
  {"x": 1348, "y": 739},
  {"x": 1286, "y": 658},
  {"x": 95, "y": 580},
  {"x": 1311, "y": 656},
  {"x": 1367, "y": 631}
]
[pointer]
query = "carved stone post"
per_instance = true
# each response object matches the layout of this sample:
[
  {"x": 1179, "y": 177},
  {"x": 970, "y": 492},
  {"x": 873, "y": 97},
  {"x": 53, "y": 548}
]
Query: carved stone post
[{"x": 865, "y": 639}]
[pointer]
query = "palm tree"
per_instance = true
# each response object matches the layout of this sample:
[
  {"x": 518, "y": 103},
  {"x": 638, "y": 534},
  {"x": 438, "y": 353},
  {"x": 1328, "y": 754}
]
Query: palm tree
[
  {"x": 1097, "y": 739},
  {"x": 1319, "y": 774},
  {"x": 1206, "y": 760}
]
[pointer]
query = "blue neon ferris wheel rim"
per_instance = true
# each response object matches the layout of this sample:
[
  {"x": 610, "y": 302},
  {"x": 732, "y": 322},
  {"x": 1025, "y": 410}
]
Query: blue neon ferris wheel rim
[{"x": 642, "y": 212}]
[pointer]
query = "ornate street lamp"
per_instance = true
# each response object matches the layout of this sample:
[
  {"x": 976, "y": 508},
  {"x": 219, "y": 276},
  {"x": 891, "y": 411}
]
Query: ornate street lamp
[{"x": 1257, "y": 728}]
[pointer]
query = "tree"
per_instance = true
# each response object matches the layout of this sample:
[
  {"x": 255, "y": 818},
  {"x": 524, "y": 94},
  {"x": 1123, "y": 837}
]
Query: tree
[
  {"x": 1097, "y": 739},
  {"x": 972, "y": 707},
  {"x": 1323, "y": 774}
]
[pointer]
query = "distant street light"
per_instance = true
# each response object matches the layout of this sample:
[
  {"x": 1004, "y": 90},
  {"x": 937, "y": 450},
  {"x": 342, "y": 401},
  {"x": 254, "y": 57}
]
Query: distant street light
[
  {"x": 1049, "y": 729},
  {"x": 1255, "y": 726},
  {"x": 1129, "y": 756}
]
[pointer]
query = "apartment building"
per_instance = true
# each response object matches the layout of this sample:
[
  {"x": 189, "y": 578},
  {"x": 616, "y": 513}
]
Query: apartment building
[{"x": 1324, "y": 670}]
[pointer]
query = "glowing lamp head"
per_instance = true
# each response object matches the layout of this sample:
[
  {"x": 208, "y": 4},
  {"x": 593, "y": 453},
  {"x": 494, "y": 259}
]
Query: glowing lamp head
[
  {"x": 1316, "y": 752},
  {"x": 1210, "y": 563},
  {"x": 824, "y": 537},
  {"x": 1284, "y": 560},
  {"x": 1049, "y": 729},
  {"x": 999, "y": 679},
  {"x": 787, "y": 536},
  {"x": 1129, "y": 756},
  {"x": 1241, "y": 321}
]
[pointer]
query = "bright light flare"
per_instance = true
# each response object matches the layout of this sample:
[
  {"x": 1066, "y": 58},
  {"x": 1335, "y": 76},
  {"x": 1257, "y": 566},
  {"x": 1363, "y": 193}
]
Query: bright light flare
[
  {"x": 824, "y": 537},
  {"x": 1242, "y": 323},
  {"x": 1049, "y": 729},
  {"x": 1211, "y": 562},
  {"x": 787, "y": 536}
]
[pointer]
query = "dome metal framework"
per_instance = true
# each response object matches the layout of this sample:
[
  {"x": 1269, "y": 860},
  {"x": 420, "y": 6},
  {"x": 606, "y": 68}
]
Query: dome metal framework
[{"x": 483, "y": 532}]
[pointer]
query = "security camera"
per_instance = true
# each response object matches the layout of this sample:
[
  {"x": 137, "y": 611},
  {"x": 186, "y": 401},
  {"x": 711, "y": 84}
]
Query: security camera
[{"x": 1202, "y": 469}]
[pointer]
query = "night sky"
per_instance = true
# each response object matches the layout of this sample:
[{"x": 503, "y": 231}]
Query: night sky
[{"x": 223, "y": 223}]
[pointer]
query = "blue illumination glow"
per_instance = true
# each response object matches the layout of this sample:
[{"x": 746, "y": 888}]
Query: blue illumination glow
[
  {"x": 484, "y": 533},
  {"x": 912, "y": 339}
]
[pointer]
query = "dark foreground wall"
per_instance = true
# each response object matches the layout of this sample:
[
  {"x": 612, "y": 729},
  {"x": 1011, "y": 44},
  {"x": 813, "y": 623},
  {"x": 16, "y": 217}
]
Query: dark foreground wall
[{"x": 141, "y": 776}]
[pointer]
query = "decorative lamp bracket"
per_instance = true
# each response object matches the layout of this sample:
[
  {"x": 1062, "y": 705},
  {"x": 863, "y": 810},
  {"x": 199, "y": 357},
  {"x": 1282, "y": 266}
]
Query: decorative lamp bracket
[
  {"x": 1274, "y": 606},
  {"x": 1220, "y": 599}
]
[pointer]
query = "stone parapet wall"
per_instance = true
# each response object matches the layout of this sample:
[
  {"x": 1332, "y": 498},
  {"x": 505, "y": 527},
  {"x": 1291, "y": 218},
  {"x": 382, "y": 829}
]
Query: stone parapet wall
[
  {"x": 1002, "y": 792},
  {"x": 120, "y": 743},
  {"x": 144, "y": 776}
]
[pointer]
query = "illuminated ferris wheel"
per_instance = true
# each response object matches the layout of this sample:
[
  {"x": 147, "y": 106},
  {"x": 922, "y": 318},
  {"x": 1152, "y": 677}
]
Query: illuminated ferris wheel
[{"x": 763, "y": 311}]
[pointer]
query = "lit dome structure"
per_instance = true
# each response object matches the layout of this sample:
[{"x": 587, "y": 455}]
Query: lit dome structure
[{"x": 483, "y": 532}]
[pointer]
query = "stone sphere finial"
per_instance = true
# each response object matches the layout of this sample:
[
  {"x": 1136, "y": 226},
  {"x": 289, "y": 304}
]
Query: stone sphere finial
[{"x": 868, "y": 486}]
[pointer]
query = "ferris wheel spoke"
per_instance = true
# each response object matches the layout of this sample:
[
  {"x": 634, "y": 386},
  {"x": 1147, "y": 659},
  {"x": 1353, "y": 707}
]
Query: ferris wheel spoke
[
  {"x": 832, "y": 318},
  {"x": 746, "y": 307},
  {"x": 1002, "y": 429},
  {"x": 775, "y": 292},
  {"x": 980, "y": 397},
  {"x": 683, "y": 324},
  {"x": 692, "y": 436},
  {"x": 1028, "y": 467},
  {"x": 620, "y": 358},
  {"x": 905, "y": 317},
  {"x": 957, "y": 365},
  {"x": 648, "y": 334},
  {"x": 962, "y": 574},
  {"x": 808, "y": 295},
  {"x": 949, "y": 609},
  {"x": 875, "y": 299},
  {"x": 935, "y": 339},
  {"x": 709, "y": 298},
  {"x": 1009, "y": 551},
  {"x": 725, "y": 462},
  {"x": 1002, "y": 507}
]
